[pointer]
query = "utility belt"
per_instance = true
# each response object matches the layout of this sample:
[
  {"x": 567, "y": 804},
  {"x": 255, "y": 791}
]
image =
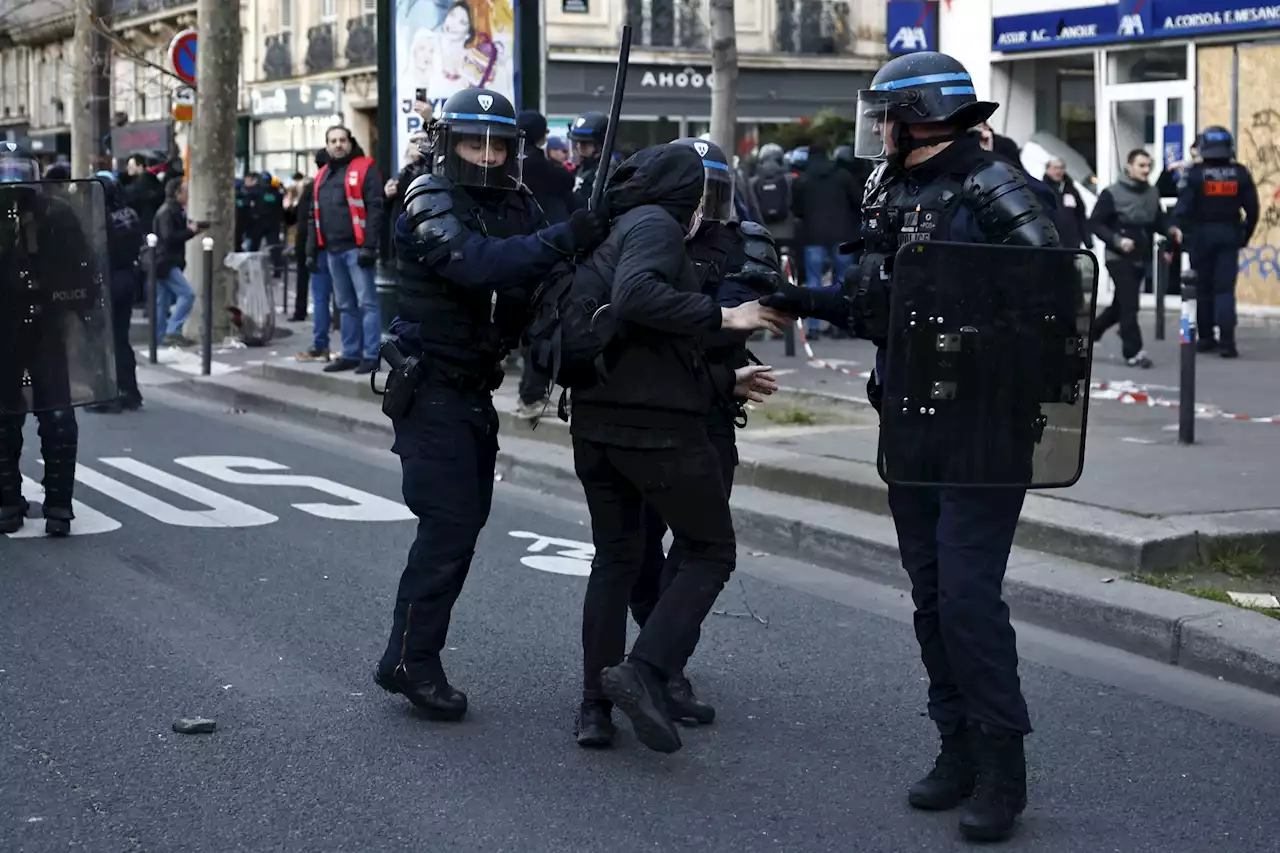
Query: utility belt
[{"x": 408, "y": 371}]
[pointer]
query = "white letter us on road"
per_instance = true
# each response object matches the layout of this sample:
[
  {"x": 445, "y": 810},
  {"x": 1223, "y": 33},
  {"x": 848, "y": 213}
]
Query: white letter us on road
[{"x": 363, "y": 506}]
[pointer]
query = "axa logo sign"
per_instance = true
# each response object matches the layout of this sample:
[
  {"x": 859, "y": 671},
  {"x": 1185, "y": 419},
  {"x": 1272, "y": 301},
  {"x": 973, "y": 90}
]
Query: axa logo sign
[
  {"x": 1134, "y": 18},
  {"x": 912, "y": 26}
]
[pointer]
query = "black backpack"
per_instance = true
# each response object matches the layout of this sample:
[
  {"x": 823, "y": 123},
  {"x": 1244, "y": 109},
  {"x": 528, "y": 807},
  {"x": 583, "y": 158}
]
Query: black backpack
[
  {"x": 774, "y": 197},
  {"x": 570, "y": 327}
]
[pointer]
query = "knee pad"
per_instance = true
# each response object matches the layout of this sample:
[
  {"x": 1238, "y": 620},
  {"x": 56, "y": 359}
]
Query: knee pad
[{"x": 58, "y": 427}]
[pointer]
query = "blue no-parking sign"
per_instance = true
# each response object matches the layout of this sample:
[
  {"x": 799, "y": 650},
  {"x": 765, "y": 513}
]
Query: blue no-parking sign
[{"x": 182, "y": 55}]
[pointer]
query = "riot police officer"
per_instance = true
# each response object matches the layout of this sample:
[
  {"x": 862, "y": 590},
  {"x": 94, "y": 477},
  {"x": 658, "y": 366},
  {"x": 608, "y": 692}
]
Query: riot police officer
[
  {"x": 55, "y": 331},
  {"x": 1218, "y": 209},
  {"x": 939, "y": 184},
  {"x": 736, "y": 262},
  {"x": 587, "y": 138},
  {"x": 470, "y": 246}
]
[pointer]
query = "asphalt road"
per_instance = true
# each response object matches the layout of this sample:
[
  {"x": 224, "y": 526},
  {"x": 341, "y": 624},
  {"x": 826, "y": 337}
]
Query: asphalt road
[{"x": 272, "y": 625}]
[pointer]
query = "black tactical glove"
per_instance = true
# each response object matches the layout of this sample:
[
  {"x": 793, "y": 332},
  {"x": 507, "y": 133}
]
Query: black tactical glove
[
  {"x": 368, "y": 257},
  {"x": 789, "y": 299},
  {"x": 588, "y": 228},
  {"x": 829, "y": 305},
  {"x": 764, "y": 283}
]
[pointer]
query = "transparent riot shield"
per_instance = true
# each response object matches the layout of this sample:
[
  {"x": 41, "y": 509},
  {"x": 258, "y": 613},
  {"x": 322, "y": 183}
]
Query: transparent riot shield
[
  {"x": 56, "y": 344},
  {"x": 986, "y": 379}
]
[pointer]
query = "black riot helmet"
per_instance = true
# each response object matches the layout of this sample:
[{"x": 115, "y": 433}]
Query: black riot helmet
[
  {"x": 475, "y": 141},
  {"x": 717, "y": 186},
  {"x": 921, "y": 89},
  {"x": 17, "y": 164},
  {"x": 1215, "y": 143},
  {"x": 845, "y": 158},
  {"x": 588, "y": 129},
  {"x": 772, "y": 151}
]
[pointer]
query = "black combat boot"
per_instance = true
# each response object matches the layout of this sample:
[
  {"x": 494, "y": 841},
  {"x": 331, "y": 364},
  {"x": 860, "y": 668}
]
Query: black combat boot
[
  {"x": 59, "y": 482},
  {"x": 684, "y": 705},
  {"x": 427, "y": 690},
  {"x": 637, "y": 690},
  {"x": 1001, "y": 791},
  {"x": 13, "y": 509},
  {"x": 952, "y": 777},
  {"x": 595, "y": 726}
]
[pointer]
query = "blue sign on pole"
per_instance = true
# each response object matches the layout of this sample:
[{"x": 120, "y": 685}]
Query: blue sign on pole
[
  {"x": 912, "y": 26},
  {"x": 1173, "y": 144},
  {"x": 182, "y": 55}
]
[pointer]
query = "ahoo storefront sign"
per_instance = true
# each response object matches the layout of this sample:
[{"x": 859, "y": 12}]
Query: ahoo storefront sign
[{"x": 685, "y": 78}]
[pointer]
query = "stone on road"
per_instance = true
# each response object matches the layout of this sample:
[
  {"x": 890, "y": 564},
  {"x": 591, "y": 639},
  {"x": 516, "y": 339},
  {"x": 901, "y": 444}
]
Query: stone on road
[
  {"x": 197, "y": 601},
  {"x": 194, "y": 726}
]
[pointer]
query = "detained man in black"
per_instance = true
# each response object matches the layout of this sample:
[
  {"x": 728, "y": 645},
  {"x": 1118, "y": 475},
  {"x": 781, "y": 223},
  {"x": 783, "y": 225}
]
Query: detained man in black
[{"x": 640, "y": 437}]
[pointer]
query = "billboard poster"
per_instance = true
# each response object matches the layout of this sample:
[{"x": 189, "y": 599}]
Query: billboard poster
[{"x": 442, "y": 46}]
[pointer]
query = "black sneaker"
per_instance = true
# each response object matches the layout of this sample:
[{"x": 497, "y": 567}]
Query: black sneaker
[
  {"x": 594, "y": 727},
  {"x": 636, "y": 691},
  {"x": 1000, "y": 792},
  {"x": 368, "y": 365},
  {"x": 341, "y": 365}
]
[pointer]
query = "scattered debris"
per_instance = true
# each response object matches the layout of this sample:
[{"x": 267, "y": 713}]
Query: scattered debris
[
  {"x": 34, "y": 819},
  {"x": 1108, "y": 580},
  {"x": 1254, "y": 599},
  {"x": 226, "y": 687},
  {"x": 194, "y": 726}
]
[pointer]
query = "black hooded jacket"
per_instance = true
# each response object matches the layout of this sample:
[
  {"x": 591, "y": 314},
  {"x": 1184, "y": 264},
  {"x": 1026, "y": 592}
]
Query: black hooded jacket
[{"x": 660, "y": 387}]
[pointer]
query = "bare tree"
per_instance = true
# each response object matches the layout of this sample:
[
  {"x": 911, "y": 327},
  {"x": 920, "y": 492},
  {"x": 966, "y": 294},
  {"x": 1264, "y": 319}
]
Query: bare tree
[{"x": 724, "y": 67}]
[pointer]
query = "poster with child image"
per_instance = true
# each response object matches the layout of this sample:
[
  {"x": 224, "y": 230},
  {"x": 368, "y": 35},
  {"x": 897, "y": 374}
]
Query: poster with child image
[{"x": 443, "y": 46}]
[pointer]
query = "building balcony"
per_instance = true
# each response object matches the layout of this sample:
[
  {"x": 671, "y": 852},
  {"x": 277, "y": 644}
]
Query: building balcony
[
  {"x": 326, "y": 47},
  {"x": 277, "y": 56},
  {"x": 769, "y": 31},
  {"x": 122, "y": 9}
]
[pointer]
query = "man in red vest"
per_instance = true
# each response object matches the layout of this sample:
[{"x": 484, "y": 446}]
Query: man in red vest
[{"x": 347, "y": 219}]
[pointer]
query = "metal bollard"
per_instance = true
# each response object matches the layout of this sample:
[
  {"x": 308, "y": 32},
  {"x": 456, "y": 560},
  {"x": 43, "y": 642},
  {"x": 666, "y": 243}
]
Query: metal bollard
[
  {"x": 206, "y": 356},
  {"x": 153, "y": 305},
  {"x": 1163, "y": 271},
  {"x": 1187, "y": 383}
]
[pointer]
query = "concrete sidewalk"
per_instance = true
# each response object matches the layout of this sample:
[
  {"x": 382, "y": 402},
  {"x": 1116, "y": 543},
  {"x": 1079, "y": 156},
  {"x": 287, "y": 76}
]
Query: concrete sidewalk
[{"x": 811, "y": 492}]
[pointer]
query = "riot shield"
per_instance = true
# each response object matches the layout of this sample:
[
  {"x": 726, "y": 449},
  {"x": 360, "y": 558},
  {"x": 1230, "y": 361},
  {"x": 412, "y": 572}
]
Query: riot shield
[
  {"x": 986, "y": 377},
  {"x": 56, "y": 344}
]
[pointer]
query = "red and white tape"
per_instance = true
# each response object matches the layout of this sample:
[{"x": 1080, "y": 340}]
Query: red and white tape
[{"x": 1129, "y": 393}]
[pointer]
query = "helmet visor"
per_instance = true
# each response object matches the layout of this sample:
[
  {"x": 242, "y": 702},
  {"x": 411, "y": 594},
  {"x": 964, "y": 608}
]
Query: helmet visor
[
  {"x": 18, "y": 170},
  {"x": 483, "y": 157},
  {"x": 717, "y": 192},
  {"x": 869, "y": 130}
]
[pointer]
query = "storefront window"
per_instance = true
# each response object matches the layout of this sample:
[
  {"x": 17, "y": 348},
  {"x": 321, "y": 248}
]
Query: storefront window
[
  {"x": 282, "y": 146},
  {"x": 1147, "y": 66},
  {"x": 1077, "y": 114}
]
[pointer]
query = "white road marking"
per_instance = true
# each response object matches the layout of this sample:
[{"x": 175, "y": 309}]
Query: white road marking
[
  {"x": 88, "y": 521},
  {"x": 186, "y": 362},
  {"x": 363, "y": 506},
  {"x": 222, "y": 511},
  {"x": 574, "y": 557}
]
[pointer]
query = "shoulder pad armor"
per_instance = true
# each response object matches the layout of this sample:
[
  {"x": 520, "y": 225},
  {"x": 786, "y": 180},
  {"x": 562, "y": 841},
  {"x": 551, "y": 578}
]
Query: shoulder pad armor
[
  {"x": 428, "y": 205},
  {"x": 873, "y": 181},
  {"x": 759, "y": 246},
  {"x": 1007, "y": 208}
]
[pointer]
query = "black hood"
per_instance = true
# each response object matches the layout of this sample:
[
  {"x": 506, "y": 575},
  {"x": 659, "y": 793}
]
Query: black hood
[{"x": 669, "y": 176}]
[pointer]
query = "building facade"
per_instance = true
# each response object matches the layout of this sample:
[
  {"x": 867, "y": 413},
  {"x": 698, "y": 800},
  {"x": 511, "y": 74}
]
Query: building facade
[
  {"x": 1097, "y": 79},
  {"x": 796, "y": 57},
  {"x": 36, "y": 78}
]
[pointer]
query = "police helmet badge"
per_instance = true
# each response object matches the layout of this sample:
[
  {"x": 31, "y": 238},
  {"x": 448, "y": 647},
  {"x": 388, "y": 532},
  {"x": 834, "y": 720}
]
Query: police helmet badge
[{"x": 486, "y": 101}]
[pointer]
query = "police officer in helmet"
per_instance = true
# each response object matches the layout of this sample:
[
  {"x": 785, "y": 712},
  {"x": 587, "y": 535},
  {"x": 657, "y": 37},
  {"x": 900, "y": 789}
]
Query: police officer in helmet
[
  {"x": 587, "y": 138},
  {"x": 736, "y": 262},
  {"x": 937, "y": 183},
  {"x": 470, "y": 247},
  {"x": 1218, "y": 209},
  {"x": 51, "y": 288}
]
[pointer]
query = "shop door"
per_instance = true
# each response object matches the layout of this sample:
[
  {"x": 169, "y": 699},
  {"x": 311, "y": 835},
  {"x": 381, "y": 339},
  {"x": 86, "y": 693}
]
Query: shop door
[{"x": 1154, "y": 117}]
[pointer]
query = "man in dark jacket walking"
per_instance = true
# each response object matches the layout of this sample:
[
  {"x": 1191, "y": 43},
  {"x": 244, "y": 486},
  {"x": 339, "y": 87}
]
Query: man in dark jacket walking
[
  {"x": 172, "y": 288},
  {"x": 1127, "y": 219},
  {"x": 640, "y": 436},
  {"x": 828, "y": 203},
  {"x": 349, "y": 206},
  {"x": 1070, "y": 217}
]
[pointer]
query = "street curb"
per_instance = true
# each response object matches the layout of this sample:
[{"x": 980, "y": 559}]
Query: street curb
[
  {"x": 1071, "y": 597},
  {"x": 1053, "y": 525}
]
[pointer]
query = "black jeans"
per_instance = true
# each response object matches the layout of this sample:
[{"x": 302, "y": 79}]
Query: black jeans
[
  {"x": 955, "y": 547},
  {"x": 124, "y": 282},
  {"x": 448, "y": 448},
  {"x": 685, "y": 487},
  {"x": 658, "y": 569},
  {"x": 1127, "y": 278}
]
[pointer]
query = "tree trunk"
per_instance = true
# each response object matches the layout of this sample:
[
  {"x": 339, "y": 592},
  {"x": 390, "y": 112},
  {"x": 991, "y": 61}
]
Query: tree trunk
[
  {"x": 213, "y": 158},
  {"x": 82, "y": 110},
  {"x": 724, "y": 67}
]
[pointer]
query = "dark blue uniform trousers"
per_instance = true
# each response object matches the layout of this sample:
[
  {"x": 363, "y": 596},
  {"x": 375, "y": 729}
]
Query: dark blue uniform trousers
[
  {"x": 955, "y": 547},
  {"x": 448, "y": 448},
  {"x": 1215, "y": 258}
]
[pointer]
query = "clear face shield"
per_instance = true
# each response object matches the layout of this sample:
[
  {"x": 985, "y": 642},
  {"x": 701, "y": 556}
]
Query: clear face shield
[
  {"x": 870, "y": 133},
  {"x": 477, "y": 155},
  {"x": 16, "y": 170}
]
